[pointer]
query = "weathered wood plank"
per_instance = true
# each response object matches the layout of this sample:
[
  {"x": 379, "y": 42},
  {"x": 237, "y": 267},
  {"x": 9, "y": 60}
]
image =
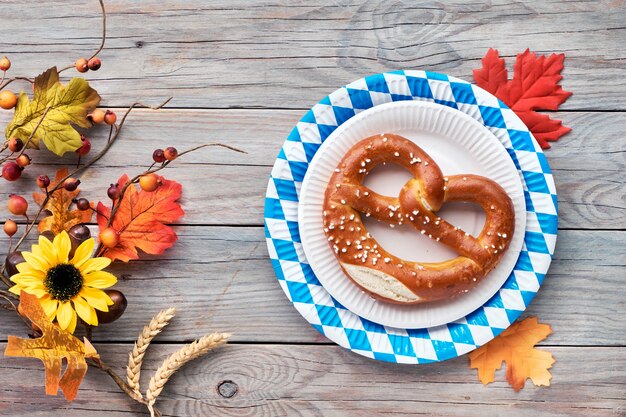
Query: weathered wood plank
[
  {"x": 588, "y": 163},
  {"x": 328, "y": 381},
  {"x": 280, "y": 54},
  {"x": 220, "y": 278}
]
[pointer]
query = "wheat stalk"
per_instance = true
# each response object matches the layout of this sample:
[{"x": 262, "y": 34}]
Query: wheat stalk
[
  {"x": 135, "y": 357},
  {"x": 179, "y": 358}
]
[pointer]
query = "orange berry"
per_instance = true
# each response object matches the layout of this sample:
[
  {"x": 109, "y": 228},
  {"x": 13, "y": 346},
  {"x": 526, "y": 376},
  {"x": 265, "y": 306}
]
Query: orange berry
[
  {"x": 5, "y": 64},
  {"x": 15, "y": 144},
  {"x": 10, "y": 227},
  {"x": 8, "y": 99},
  {"x": 82, "y": 65},
  {"x": 96, "y": 116},
  {"x": 109, "y": 237},
  {"x": 170, "y": 153},
  {"x": 17, "y": 205},
  {"x": 149, "y": 182},
  {"x": 109, "y": 117},
  {"x": 43, "y": 181},
  {"x": 23, "y": 160}
]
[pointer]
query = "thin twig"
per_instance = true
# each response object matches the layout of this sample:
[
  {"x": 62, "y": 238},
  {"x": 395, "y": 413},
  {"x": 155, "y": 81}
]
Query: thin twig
[
  {"x": 103, "y": 37},
  {"x": 10, "y": 80}
]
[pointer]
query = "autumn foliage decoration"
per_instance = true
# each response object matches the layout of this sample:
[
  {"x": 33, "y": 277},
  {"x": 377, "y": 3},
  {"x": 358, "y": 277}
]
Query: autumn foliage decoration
[
  {"x": 60, "y": 283},
  {"x": 534, "y": 86}
]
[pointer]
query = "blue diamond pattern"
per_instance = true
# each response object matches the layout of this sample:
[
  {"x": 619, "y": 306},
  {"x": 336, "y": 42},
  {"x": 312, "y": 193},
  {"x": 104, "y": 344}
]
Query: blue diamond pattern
[{"x": 324, "y": 313}]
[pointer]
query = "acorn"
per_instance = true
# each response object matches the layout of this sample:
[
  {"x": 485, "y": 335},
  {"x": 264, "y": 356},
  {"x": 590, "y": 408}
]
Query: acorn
[
  {"x": 48, "y": 234},
  {"x": 116, "y": 310},
  {"x": 13, "y": 259},
  {"x": 78, "y": 234}
]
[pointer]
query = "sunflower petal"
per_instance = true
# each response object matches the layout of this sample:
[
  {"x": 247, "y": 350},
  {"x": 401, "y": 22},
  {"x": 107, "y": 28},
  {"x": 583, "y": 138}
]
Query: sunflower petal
[
  {"x": 49, "y": 306},
  {"x": 85, "y": 311},
  {"x": 99, "y": 279},
  {"x": 37, "y": 262},
  {"x": 30, "y": 283},
  {"x": 96, "y": 298},
  {"x": 36, "y": 291},
  {"x": 64, "y": 314},
  {"x": 26, "y": 267},
  {"x": 45, "y": 249},
  {"x": 94, "y": 264},
  {"x": 62, "y": 245},
  {"x": 83, "y": 252},
  {"x": 73, "y": 323},
  {"x": 34, "y": 274},
  {"x": 16, "y": 289}
]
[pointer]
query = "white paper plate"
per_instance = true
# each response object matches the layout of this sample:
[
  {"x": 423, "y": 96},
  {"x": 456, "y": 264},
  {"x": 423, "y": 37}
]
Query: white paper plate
[{"x": 459, "y": 144}]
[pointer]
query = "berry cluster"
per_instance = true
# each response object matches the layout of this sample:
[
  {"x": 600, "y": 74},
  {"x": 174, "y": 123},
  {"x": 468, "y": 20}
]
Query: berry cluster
[{"x": 83, "y": 65}]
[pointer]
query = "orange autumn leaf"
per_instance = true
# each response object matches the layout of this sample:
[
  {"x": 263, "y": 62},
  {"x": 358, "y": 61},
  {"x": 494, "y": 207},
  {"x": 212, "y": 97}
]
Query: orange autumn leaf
[
  {"x": 516, "y": 347},
  {"x": 54, "y": 345},
  {"x": 140, "y": 219},
  {"x": 61, "y": 217}
]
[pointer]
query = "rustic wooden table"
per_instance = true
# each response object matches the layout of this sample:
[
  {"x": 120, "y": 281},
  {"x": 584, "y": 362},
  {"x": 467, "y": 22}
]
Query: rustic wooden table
[{"x": 243, "y": 73}]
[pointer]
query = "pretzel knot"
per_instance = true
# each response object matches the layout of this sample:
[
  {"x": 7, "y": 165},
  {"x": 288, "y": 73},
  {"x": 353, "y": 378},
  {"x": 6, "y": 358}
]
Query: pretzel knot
[{"x": 380, "y": 273}]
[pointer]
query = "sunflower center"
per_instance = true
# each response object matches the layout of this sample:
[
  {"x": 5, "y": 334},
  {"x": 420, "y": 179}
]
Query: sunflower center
[{"x": 63, "y": 281}]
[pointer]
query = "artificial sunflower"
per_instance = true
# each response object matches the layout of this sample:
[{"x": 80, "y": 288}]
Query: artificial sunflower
[{"x": 65, "y": 287}]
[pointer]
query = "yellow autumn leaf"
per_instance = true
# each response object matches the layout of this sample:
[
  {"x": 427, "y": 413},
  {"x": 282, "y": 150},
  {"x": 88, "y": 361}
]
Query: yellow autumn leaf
[
  {"x": 68, "y": 107},
  {"x": 516, "y": 347},
  {"x": 51, "y": 348}
]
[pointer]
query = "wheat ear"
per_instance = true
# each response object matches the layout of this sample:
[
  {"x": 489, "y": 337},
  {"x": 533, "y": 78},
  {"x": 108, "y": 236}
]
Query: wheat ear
[
  {"x": 179, "y": 358},
  {"x": 135, "y": 357}
]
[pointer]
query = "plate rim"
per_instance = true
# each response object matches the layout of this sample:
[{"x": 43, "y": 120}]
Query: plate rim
[
  {"x": 418, "y": 345},
  {"x": 332, "y": 139}
]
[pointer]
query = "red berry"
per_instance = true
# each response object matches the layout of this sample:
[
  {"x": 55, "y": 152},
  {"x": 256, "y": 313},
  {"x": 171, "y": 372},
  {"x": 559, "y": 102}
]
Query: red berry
[
  {"x": 85, "y": 148},
  {"x": 17, "y": 205},
  {"x": 5, "y": 64},
  {"x": 113, "y": 192},
  {"x": 8, "y": 99},
  {"x": 23, "y": 160},
  {"x": 82, "y": 65},
  {"x": 10, "y": 227},
  {"x": 96, "y": 116},
  {"x": 15, "y": 144},
  {"x": 82, "y": 204},
  {"x": 94, "y": 63},
  {"x": 109, "y": 237},
  {"x": 110, "y": 117},
  {"x": 11, "y": 171},
  {"x": 149, "y": 182},
  {"x": 43, "y": 181},
  {"x": 71, "y": 184},
  {"x": 158, "y": 156},
  {"x": 170, "y": 153}
]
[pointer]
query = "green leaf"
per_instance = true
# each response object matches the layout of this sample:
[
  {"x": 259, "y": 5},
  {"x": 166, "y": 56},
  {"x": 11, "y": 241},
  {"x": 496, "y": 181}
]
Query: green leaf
[{"x": 69, "y": 106}]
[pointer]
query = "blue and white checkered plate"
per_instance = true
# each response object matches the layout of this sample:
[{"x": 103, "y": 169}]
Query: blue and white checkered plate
[{"x": 366, "y": 337}]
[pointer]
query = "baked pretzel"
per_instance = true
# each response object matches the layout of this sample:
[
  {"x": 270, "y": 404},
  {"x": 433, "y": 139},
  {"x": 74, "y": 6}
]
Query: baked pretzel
[{"x": 380, "y": 273}]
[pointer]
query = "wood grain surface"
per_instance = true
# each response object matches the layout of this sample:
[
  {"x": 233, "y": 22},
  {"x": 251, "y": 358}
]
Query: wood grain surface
[{"x": 243, "y": 73}]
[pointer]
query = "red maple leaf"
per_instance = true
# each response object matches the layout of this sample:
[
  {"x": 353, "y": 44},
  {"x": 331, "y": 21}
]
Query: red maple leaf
[
  {"x": 534, "y": 86},
  {"x": 140, "y": 219}
]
